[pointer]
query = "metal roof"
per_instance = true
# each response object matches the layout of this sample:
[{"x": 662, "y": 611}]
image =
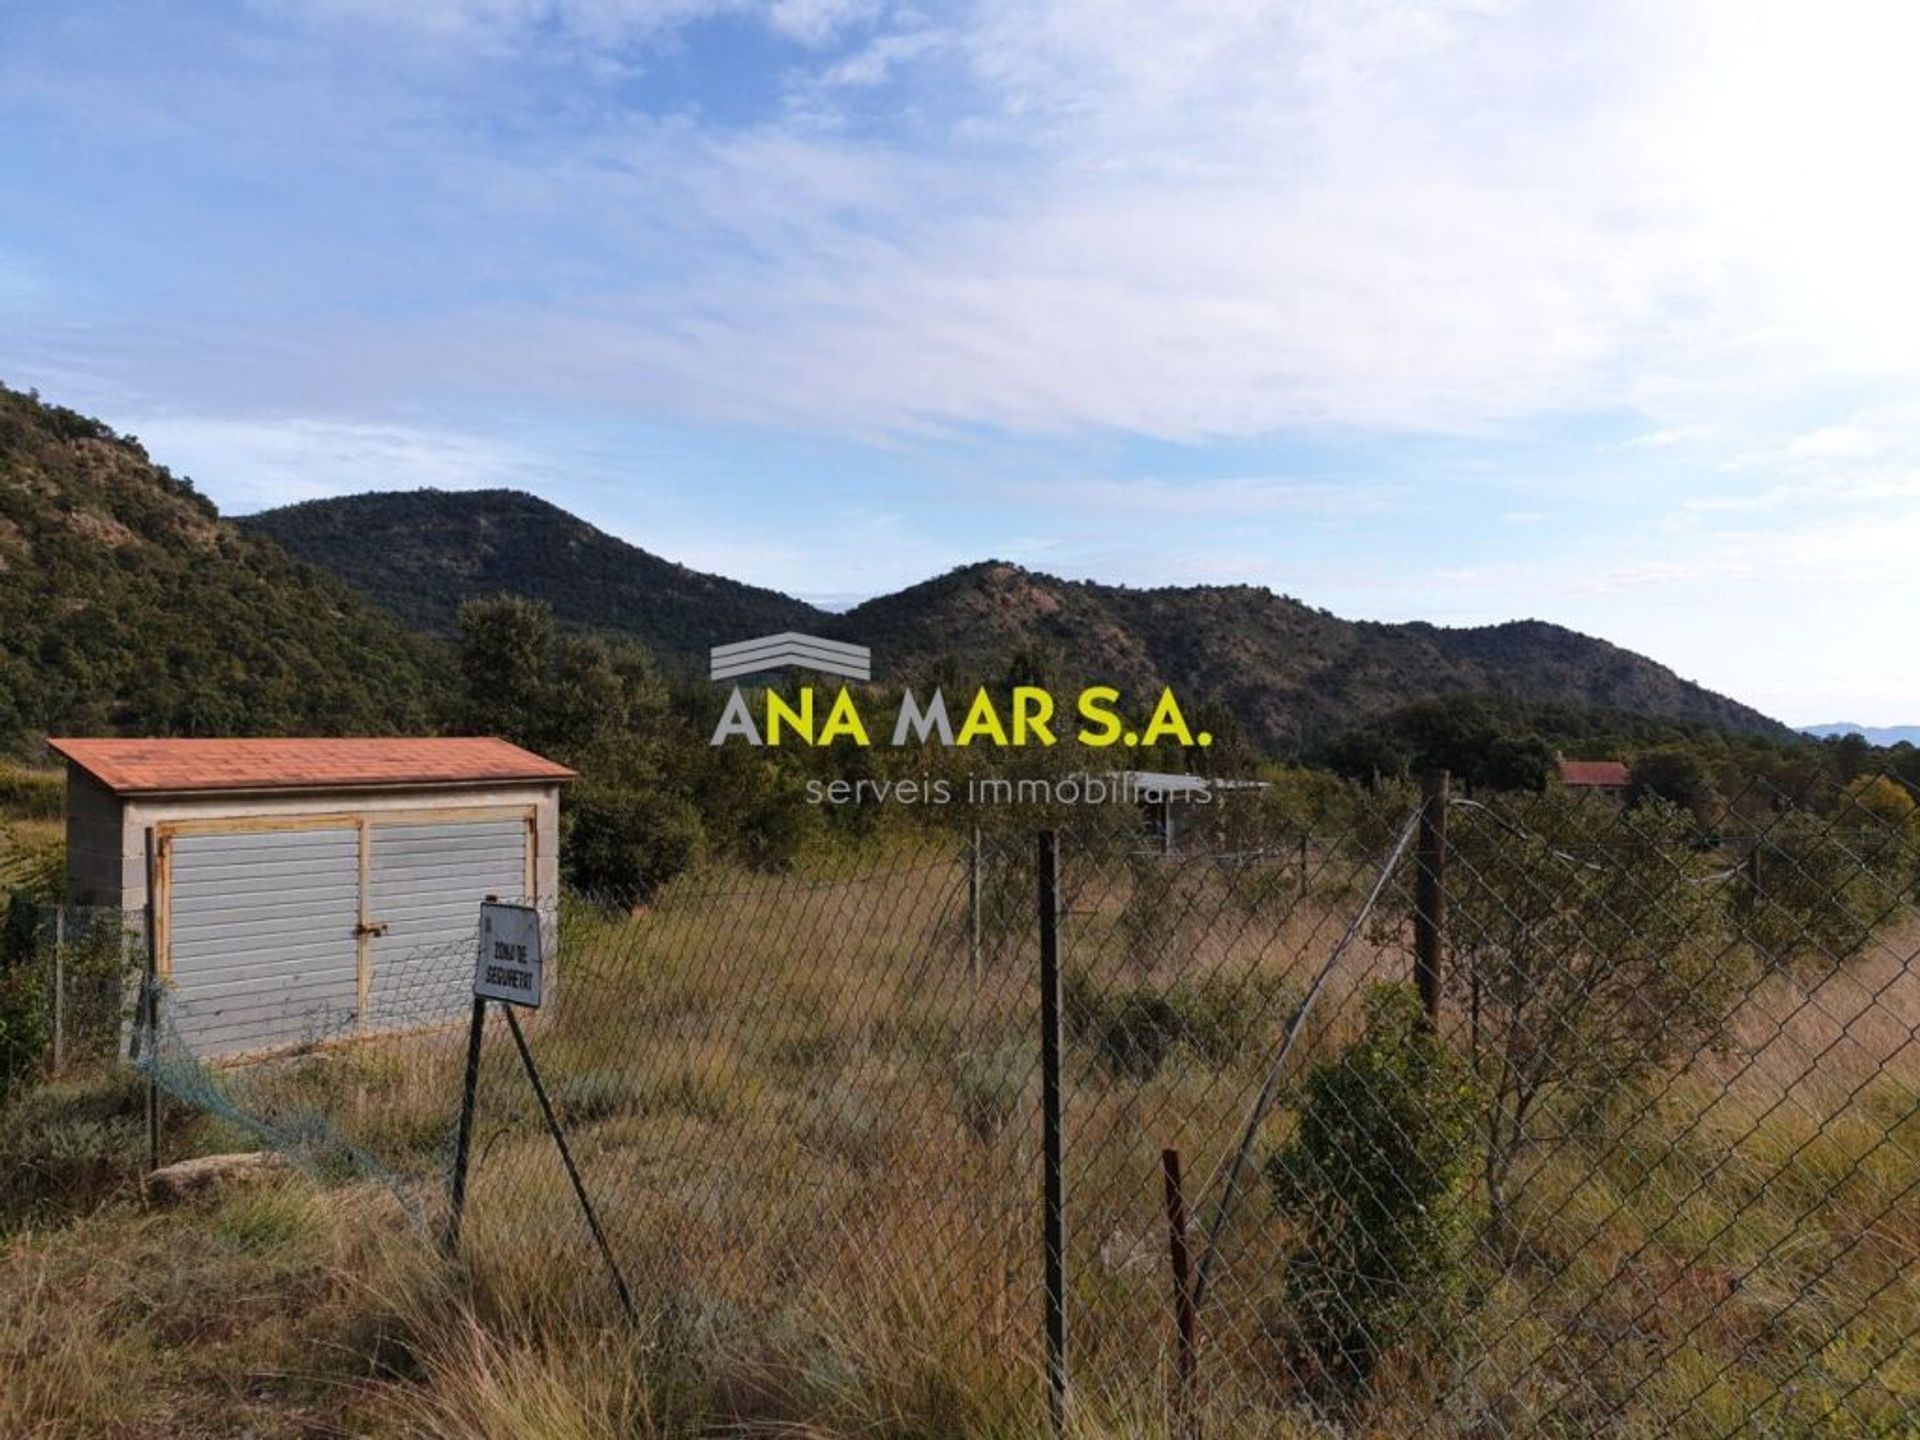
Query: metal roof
[
  {"x": 1166, "y": 782},
  {"x": 132, "y": 767}
]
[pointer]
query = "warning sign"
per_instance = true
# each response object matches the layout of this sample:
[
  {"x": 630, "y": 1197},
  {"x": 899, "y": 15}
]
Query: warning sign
[{"x": 508, "y": 968}]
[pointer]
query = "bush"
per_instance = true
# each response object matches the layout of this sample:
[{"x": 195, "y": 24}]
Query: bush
[
  {"x": 26, "y": 1031},
  {"x": 1814, "y": 891},
  {"x": 1157, "y": 903},
  {"x": 1373, "y": 1183},
  {"x": 1586, "y": 954},
  {"x": 622, "y": 844},
  {"x": 1134, "y": 1029}
]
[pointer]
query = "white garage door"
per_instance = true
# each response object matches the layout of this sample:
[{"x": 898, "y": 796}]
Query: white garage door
[
  {"x": 426, "y": 884},
  {"x": 272, "y": 941},
  {"x": 260, "y": 937}
]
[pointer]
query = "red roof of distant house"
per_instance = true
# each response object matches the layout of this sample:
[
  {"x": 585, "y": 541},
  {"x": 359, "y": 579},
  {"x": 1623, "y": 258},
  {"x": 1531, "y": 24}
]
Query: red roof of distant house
[
  {"x": 164, "y": 766},
  {"x": 1595, "y": 774}
]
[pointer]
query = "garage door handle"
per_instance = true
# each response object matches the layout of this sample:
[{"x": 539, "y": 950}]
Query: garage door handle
[{"x": 375, "y": 928}]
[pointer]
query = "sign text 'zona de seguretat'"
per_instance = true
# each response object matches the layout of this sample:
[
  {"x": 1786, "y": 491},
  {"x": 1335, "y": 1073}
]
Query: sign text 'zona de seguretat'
[{"x": 1030, "y": 715}]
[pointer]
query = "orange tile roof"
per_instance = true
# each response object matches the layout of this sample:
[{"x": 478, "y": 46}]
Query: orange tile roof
[
  {"x": 1596, "y": 774},
  {"x": 158, "y": 766}
]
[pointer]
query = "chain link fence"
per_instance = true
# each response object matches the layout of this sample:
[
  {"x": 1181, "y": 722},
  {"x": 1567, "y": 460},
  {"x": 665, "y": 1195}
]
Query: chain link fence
[
  {"x": 1437, "y": 1114},
  {"x": 68, "y": 983}
]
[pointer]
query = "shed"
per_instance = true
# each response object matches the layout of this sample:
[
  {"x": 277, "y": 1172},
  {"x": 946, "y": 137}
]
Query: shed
[{"x": 306, "y": 889}]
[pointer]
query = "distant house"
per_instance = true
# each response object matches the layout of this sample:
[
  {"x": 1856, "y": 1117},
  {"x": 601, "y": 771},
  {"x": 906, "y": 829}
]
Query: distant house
[{"x": 1606, "y": 777}]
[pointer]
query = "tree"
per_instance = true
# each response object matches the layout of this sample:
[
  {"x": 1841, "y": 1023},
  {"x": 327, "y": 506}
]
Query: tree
[
  {"x": 629, "y": 824},
  {"x": 1675, "y": 774},
  {"x": 1584, "y": 954}
]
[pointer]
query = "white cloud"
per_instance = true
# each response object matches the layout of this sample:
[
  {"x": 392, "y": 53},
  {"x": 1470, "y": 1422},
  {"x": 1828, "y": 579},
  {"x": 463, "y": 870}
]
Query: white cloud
[
  {"x": 1178, "y": 218},
  {"x": 1211, "y": 498},
  {"x": 257, "y": 464}
]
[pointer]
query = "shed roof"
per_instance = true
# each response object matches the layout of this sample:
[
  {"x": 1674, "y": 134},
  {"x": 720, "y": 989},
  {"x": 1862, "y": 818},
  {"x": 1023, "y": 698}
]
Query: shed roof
[
  {"x": 1595, "y": 774},
  {"x": 132, "y": 767}
]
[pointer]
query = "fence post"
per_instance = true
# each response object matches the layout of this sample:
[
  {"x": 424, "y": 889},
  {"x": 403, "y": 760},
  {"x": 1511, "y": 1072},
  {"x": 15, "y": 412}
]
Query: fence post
[
  {"x": 59, "y": 987},
  {"x": 1430, "y": 894},
  {"x": 1054, "y": 1201},
  {"x": 973, "y": 904},
  {"x": 1185, "y": 1324}
]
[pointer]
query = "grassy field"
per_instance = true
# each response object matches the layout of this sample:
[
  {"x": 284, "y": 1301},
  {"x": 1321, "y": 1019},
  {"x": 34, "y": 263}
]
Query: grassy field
[{"x": 809, "y": 1116}]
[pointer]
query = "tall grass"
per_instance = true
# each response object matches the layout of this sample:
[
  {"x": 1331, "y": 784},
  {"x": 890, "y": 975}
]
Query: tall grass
[{"x": 810, "y": 1125}]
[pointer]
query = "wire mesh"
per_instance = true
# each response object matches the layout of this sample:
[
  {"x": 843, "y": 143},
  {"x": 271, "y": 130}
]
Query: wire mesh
[{"x": 1652, "y": 1167}]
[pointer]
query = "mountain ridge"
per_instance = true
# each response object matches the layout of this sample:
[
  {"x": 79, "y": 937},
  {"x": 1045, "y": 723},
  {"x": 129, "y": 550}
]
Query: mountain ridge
[{"x": 1291, "y": 672}]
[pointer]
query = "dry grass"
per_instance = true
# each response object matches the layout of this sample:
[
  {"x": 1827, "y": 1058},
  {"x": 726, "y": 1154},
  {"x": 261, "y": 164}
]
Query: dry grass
[{"x": 813, "y": 1138}]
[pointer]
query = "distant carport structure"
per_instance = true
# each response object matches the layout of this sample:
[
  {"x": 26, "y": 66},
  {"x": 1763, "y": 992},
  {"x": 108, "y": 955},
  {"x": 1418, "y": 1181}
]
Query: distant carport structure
[
  {"x": 305, "y": 890},
  {"x": 1161, "y": 793}
]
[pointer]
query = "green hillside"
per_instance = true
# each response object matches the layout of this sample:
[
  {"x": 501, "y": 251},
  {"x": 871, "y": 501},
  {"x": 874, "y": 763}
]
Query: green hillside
[
  {"x": 1291, "y": 674},
  {"x": 421, "y": 553},
  {"x": 128, "y": 605}
]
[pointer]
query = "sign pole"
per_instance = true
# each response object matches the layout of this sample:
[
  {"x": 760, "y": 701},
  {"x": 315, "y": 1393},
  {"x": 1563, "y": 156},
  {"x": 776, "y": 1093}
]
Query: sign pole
[
  {"x": 463, "y": 1137},
  {"x": 573, "y": 1172}
]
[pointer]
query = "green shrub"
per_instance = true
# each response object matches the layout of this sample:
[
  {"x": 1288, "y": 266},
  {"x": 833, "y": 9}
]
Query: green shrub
[
  {"x": 623, "y": 844},
  {"x": 1136, "y": 1028},
  {"x": 1815, "y": 891},
  {"x": 1373, "y": 1183},
  {"x": 1149, "y": 922},
  {"x": 26, "y": 1028}
]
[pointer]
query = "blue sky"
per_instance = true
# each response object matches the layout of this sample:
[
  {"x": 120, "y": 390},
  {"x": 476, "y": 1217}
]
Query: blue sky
[{"x": 1463, "y": 311}]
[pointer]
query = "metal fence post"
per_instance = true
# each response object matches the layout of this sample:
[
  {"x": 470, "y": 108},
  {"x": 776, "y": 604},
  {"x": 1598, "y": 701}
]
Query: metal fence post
[
  {"x": 1430, "y": 894},
  {"x": 1054, "y": 1200},
  {"x": 463, "y": 1134}
]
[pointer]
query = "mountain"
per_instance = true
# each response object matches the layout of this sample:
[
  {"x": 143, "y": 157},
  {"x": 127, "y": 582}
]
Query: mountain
[
  {"x": 127, "y": 604},
  {"x": 421, "y": 553},
  {"x": 1291, "y": 673},
  {"x": 1872, "y": 734}
]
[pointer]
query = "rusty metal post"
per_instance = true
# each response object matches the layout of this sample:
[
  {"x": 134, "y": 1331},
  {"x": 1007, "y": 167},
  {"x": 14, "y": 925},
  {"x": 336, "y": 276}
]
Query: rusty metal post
[
  {"x": 1185, "y": 1323},
  {"x": 1430, "y": 894},
  {"x": 1053, "y": 1134}
]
